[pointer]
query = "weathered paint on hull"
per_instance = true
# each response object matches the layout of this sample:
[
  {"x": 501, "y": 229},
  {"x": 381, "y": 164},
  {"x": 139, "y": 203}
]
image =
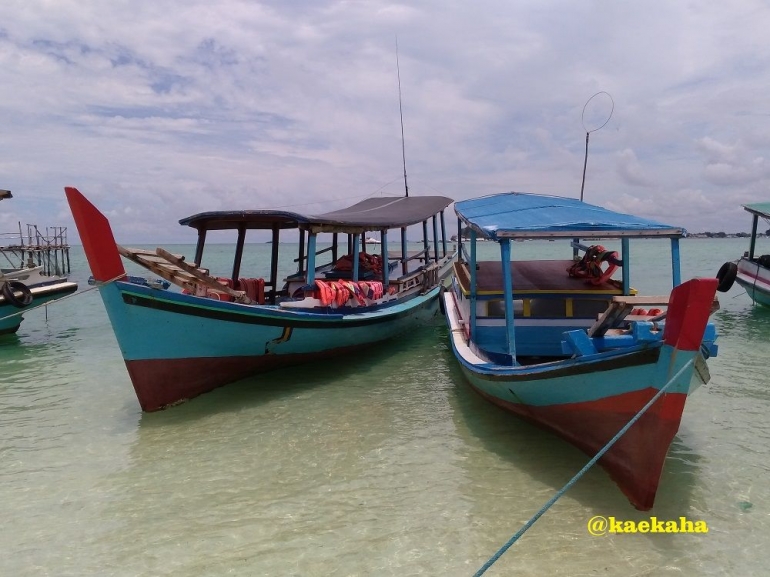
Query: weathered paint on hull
[
  {"x": 635, "y": 462},
  {"x": 160, "y": 383},
  {"x": 177, "y": 347},
  {"x": 587, "y": 400},
  {"x": 755, "y": 280}
]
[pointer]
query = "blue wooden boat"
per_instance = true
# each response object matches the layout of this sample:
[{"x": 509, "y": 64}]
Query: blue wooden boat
[
  {"x": 565, "y": 345},
  {"x": 752, "y": 272},
  {"x": 177, "y": 345}
]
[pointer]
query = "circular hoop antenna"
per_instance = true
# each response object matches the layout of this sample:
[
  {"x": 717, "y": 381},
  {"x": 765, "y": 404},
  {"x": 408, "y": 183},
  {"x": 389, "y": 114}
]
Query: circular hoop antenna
[
  {"x": 594, "y": 119},
  {"x": 599, "y": 125}
]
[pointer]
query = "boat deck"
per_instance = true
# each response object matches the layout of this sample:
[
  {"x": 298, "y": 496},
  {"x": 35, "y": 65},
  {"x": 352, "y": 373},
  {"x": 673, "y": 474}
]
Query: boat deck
[{"x": 531, "y": 277}]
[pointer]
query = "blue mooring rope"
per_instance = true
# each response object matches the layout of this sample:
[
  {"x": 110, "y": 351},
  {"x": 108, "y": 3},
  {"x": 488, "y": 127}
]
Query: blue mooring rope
[{"x": 582, "y": 472}]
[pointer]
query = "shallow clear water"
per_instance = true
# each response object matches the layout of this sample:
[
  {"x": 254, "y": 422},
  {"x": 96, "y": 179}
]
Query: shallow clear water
[{"x": 382, "y": 464}]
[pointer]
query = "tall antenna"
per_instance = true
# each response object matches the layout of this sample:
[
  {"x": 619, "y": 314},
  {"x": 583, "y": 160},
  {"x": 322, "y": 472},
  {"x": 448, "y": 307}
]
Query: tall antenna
[
  {"x": 588, "y": 132},
  {"x": 401, "y": 113}
]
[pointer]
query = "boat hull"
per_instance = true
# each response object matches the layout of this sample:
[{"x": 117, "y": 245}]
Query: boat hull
[
  {"x": 587, "y": 400},
  {"x": 196, "y": 345},
  {"x": 11, "y": 316},
  {"x": 755, "y": 280},
  {"x": 636, "y": 460}
]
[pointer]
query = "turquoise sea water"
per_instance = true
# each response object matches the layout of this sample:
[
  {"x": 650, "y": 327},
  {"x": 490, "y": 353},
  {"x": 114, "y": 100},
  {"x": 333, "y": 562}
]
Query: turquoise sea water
[{"x": 385, "y": 463}]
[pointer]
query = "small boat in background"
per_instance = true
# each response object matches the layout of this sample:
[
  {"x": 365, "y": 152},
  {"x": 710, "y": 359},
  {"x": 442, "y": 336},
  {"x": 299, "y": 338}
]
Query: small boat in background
[
  {"x": 21, "y": 288},
  {"x": 752, "y": 272},
  {"x": 563, "y": 344},
  {"x": 34, "y": 272},
  {"x": 219, "y": 329}
]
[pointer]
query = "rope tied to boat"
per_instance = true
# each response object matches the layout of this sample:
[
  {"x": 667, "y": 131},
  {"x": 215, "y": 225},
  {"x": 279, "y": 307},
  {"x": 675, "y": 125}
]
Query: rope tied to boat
[
  {"x": 64, "y": 298},
  {"x": 582, "y": 471}
]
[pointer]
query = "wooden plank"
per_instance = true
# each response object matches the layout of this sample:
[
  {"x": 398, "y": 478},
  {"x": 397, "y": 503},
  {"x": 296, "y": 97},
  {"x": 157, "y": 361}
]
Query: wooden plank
[
  {"x": 173, "y": 268},
  {"x": 615, "y": 313},
  {"x": 655, "y": 300},
  {"x": 204, "y": 279},
  {"x": 642, "y": 300},
  {"x": 169, "y": 272},
  {"x": 621, "y": 307},
  {"x": 142, "y": 252}
]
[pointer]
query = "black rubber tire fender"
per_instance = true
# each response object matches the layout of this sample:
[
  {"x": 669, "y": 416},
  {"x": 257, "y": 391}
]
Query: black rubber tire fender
[
  {"x": 726, "y": 276},
  {"x": 11, "y": 287}
]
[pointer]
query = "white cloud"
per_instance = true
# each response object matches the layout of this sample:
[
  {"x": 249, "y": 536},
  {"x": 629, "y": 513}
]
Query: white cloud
[
  {"x": 631, "y": 171},
  {"x": 160, "y": 110}
]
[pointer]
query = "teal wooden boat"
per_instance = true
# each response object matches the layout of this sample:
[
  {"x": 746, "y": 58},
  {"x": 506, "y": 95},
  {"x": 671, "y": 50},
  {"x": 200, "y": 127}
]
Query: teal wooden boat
[{"x": 177, "y": 345}]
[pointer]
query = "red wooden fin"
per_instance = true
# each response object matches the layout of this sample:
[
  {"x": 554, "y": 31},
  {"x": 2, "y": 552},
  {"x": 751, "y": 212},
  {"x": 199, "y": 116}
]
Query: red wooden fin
[
  {"x": 96, "y": 236},
  {"x": 689, "y": 308}
]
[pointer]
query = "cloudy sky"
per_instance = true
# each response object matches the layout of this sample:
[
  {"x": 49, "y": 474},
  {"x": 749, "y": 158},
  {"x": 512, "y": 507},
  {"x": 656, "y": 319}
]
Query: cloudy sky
[{"x": 158, "y": 110}]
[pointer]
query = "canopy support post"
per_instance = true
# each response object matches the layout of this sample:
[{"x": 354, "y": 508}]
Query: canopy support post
[
  {"x": 274, "y": 263},
  {"x": 404, "y": 263},
  {"x": 676, "y": 269},
  {"x": 301, "y": 255},
  {"x": 459, "y": 240},
  {"x": 435, "y": 239},
  {"x": 626, "y": 258},
  {"x": 385, "y": 263},
  {"x": 238, "y": 253},
  {"x": 505, "y": 258},
  {"x": 199, "y": 246},
  {"x": 355, "y": 253},
  {"x": 472, "y": 267},
  {"x": 311, "y": 258},
  {"x": 443, "y": 234}
]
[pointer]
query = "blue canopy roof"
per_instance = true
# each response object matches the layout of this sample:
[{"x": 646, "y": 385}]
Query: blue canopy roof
[{"x": 525, "y": 215}]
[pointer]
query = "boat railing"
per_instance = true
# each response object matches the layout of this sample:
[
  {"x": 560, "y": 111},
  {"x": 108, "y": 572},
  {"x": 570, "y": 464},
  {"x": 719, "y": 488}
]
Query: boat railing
[
  {"x": 303, "y": 257},
  {"x": 420, "y": 254},
  {"x": 464, "y": 252}
]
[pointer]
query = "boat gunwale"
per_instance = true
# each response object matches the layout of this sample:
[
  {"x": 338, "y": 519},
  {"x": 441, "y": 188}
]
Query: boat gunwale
[
  {"x": 172, "y": 302},
  {"x": 640, "y": 355}
]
